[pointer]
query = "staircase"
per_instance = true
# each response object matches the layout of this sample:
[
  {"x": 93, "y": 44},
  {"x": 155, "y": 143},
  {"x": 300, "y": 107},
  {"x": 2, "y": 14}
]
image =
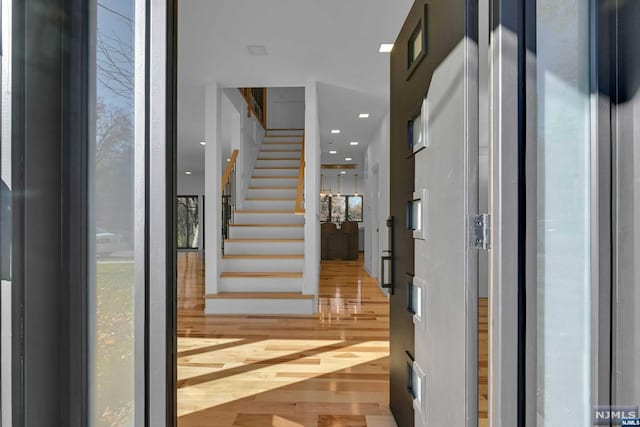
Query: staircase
[{"x": 263, "y": 261}]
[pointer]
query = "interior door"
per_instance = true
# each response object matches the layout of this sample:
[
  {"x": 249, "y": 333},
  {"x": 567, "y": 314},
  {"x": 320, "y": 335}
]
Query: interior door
[{"x": 434, "y": 197}]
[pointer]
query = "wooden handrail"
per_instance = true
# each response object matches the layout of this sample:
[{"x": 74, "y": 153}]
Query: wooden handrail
[
  {"x": 299, "y": 204},
  {"x": 229, "y": 169},
  {"x": 246, "y": 94}
]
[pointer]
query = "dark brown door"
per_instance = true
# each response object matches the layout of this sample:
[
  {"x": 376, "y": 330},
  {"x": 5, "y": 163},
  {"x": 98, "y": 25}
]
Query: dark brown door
[
  {"x": 406, "y": 100},
  {"x": 436, "y": 45}
]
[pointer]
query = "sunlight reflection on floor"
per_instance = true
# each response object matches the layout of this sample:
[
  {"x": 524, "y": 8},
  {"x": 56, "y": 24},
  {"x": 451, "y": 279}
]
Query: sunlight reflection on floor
[{"x": 223, "y": 376}]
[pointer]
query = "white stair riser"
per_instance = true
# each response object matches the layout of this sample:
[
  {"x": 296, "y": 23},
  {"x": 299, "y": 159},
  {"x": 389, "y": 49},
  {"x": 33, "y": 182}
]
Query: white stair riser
[
  {"x": 273, "y": 182},
  {"x": 277, "y": 172},
  {"x": 277, "y": 163},
  {"x": 260, "y": 284},
  {"x": 263, "y": 248},
  {"x": 270, "y": 205},
  {"x": 267, "y": 218},
  {"x": 279, "y": 146},
  {"x": 266, "y": 233},
  {"x": 269, "y": 193},
  {"x": 269, "y": 265},
  {"x": 260, "y": 306},
  {"x": 288, "y": 154}
]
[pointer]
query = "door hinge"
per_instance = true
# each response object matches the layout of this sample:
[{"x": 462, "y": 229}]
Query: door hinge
[{"x": 481, "y": 231}]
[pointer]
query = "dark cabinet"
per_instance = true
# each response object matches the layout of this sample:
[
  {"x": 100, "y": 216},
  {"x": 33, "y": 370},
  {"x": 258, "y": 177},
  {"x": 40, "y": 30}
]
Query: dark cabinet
[{"x": 339, "y": 243}]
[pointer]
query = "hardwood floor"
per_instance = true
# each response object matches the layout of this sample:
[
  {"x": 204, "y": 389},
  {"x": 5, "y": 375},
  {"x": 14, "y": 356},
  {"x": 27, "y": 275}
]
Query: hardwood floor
[{"x": 329, "y": 369}]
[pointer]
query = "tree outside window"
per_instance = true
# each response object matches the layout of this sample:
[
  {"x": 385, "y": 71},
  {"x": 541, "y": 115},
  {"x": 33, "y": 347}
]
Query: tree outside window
[
  {"x": 188, "y": 222},
  {"x": 339, "y": 209}
]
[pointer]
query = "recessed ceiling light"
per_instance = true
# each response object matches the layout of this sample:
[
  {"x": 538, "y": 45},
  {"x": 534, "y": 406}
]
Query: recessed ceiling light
[
  {"x": 348, "y": 159},
  {"x": 354, "y": 143},
  {"x": 187, "y": 173},
  {"x": 363, "y": 115},
  {"x": 385, "y": 47},
  {"x": 335, "y": 131},
  {"x": 332, "y": 152},
  {"x": 203, "y": 143},
  {"x": 343, "y": 172},
  {"x": 257, "y": 50}
]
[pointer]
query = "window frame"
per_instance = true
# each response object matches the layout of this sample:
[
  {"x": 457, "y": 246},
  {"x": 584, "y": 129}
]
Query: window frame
[{"x": 346, "y": 209}]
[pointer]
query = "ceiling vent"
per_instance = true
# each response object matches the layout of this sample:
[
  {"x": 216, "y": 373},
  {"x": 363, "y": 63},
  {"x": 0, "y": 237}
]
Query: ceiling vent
[{"x": 257, "y": 50}]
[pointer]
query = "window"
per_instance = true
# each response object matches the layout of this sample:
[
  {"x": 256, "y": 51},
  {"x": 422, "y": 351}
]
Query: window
[
  {"x": 564, "y": 251},
  {"x": 188, "y": 222},
  {"x": 116, "y": 82},
  {"x": 417, "y": 44},
  {"x": 416, "y": 210},
  {"x": 325, "y": 208},
  {"x": 354, "y": 208},
  {"x": 5, "y": 218},
  {"x": 417, "y": 129},
  {"x": 341, "y": 208},
  {"x": 338, "y": 209}
]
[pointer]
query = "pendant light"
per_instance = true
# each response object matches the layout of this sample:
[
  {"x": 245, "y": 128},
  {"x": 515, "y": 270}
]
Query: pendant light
[
  {"x": 356, "y": 179},
  {"x": 339, "y": 193},
  {"x": 321, "y": 187}
]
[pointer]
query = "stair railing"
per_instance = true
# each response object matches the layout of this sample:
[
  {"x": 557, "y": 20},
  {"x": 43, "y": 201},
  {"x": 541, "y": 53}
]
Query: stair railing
[
  {"x": 299, "y": 209},
  {"x": 256, "y": 99},
  {"x": 228, "y": 196}
]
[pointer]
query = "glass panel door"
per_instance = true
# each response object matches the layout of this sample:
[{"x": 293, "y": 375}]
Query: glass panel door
[
  {"x": 626, "y": 208},
  {"x": 5, "y": 218},
  {"x": 563, "y": 213},
  {"x": 113, "y": 244}
]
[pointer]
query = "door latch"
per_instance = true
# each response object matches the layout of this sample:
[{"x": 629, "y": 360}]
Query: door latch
[{"x": 481, "y": 227}]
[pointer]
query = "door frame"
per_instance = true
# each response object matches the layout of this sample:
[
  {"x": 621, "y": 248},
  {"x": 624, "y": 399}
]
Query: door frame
[
  {"x": 49, "y": 201},
  {"x": 161, "y": 288},
  {"x": 51, "y": 140},
  {"x": 513, "y": 185},
  {"x": 506, "y": 198}
]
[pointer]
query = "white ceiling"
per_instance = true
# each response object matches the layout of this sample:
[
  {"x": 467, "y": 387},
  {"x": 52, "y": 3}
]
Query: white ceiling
[{"x": 332, "y": 41}]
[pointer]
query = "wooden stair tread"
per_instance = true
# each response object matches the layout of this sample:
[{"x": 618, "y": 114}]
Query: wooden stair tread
[
  {"x": 264, "y": 240},
  {"x": 274, "y": 177},
  {"x": 259, "y": 274},
  {"x": 267, "y": 199},
  {"x": 259, "y": 295},
  {"x": 279, "y": 159},
  {"x": 266, "y": 225},
  {"x": 263, "y": 257},
  {"x": 278, "y": 168},
  {"x": 273, "y": 188},
  {"x": 266, "y": 212}
]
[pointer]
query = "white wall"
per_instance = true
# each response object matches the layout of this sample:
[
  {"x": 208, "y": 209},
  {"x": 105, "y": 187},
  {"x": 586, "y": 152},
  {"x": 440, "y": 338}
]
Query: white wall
[
  {"x": 376, "y": 164},
  {"x": 285, "y": 108},
  {"x": 312, "y": 159},
  {"x": 227, "y": 128},
  {"x": 245, "y": 134},
  {"x": 212, "y": 180}
]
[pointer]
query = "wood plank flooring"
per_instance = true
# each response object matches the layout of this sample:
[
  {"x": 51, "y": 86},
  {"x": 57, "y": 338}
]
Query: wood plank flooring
[{"x": 329, "y": 369}]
